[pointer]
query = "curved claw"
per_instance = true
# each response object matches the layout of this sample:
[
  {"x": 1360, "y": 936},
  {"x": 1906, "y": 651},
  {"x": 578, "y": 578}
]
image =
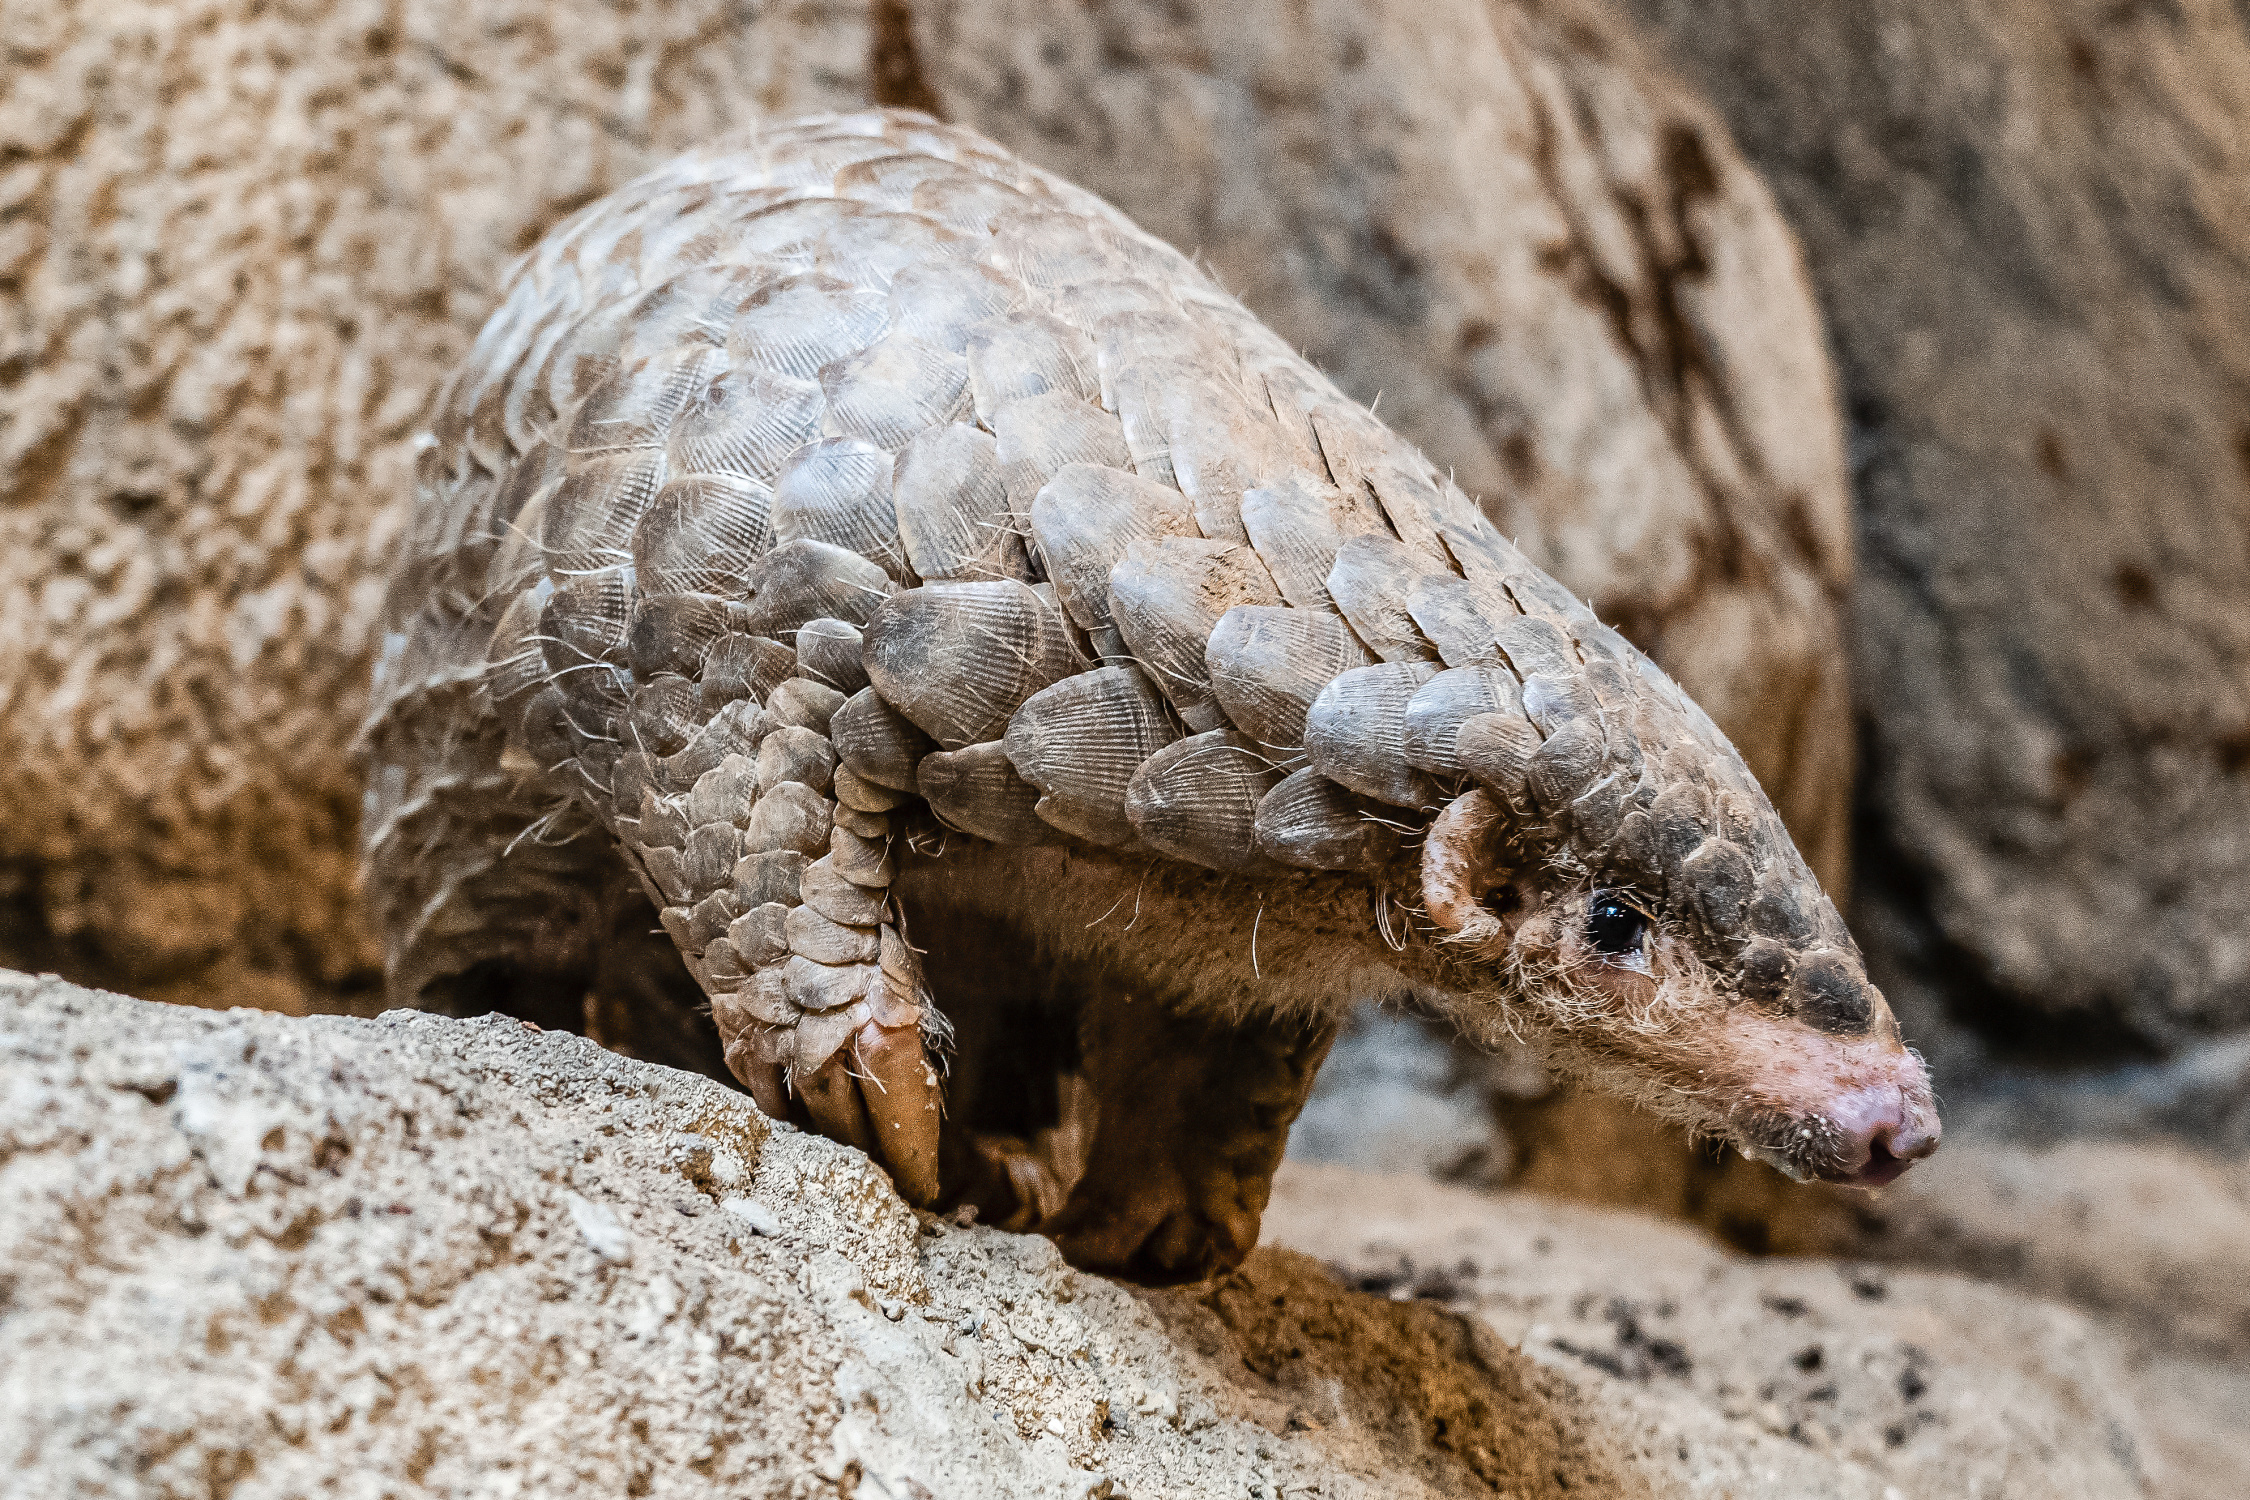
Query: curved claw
[
  {"x": 878, "y": 1092},
  {"x": 757, "y": 1064},
  {"x": 906, "y": 1104},
  {"x": 832, "y": 1097}
]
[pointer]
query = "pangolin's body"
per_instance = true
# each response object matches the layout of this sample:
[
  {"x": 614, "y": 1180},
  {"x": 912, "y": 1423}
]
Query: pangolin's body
[{"x": 858, "y": 535}]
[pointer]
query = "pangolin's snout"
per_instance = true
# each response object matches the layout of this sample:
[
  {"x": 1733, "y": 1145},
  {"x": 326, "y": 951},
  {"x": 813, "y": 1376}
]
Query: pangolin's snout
[{"x": 1880, "y": 1133}]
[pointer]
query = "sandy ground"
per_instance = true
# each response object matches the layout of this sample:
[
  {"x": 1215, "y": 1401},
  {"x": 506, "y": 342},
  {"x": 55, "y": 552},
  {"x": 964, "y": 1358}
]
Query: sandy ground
[
  {"x": 2059, "y": 1188},
  {"x": 466, "y": 1258}
]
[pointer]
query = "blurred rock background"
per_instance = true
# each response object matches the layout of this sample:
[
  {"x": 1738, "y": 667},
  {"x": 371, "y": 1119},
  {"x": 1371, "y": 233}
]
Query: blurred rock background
[{"x": 1702, "y": 300}]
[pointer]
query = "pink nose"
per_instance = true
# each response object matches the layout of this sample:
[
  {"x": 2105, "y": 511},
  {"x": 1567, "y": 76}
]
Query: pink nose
[{"x": 1885, "y": 1142}]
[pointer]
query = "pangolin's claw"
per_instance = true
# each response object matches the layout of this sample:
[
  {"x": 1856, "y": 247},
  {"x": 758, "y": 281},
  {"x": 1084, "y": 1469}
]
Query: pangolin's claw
[
  {"x": 878, "y": 1092},
  {"x": 832, "y": 1098},
  {"x": 905, "y": 1103},
  {"x": 765, "y": 1083}
]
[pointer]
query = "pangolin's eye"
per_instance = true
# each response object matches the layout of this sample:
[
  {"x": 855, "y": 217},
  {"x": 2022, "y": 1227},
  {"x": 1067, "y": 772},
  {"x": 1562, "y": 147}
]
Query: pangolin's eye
[{"x": 1616, "y": 929}]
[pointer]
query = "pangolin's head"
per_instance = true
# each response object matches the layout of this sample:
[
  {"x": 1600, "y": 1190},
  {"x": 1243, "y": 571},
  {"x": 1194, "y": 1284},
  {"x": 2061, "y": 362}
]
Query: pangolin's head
[{"x": 1639, "y": 910}]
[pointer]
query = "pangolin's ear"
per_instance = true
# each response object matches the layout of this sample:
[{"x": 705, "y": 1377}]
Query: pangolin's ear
[{"x": 1466, "y": 857}]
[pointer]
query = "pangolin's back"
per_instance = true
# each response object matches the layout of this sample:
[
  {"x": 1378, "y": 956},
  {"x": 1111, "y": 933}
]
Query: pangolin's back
[{"x": 864, "y": 429}]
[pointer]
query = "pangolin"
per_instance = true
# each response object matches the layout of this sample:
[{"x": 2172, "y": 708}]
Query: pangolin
[{"x": 1036, "y": 704}]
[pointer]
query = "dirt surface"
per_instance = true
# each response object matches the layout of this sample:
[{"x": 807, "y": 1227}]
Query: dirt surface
[
  {"x": 1926, "y": 1383},
  {"x": 2146, "y": 1236},
  {"x": 469, "y": 1257}
]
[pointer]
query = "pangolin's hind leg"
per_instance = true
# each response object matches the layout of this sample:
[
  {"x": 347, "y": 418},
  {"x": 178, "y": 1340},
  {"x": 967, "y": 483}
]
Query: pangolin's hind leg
[{"x": 1191, "y": 1115}]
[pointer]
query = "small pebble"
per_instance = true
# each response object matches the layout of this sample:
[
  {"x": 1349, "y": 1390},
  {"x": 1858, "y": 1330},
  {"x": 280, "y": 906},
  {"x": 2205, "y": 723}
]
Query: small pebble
[
  {"x": 761, "y": 1219},
  {"x": 605, "y": 1236}
]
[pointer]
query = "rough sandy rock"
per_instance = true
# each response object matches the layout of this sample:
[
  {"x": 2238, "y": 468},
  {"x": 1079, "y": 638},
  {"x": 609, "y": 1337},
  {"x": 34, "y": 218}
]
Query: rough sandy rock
[
  {"x": 1545, "y": 258},
  {"x": 2027, "y": 224},
  {"x": 467, "y": 1255},
  {"x": 239, "y": 245}
]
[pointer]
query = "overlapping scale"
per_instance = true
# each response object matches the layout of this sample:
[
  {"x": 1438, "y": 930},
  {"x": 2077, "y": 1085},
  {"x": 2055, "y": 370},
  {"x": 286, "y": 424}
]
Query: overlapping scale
[
  {"x": 970, "y": 204},
  {"x": 1080, "y": 742},
  {"x": 1166, "y": 597},
  {"x": 1093, "y": 304},
  {"x": 692, "y": 309},
  {"x": 1187, "y": 427},
  {"x": 960, "y": 658},
  {"x": 889, "y": 180},
  {"x": 635, "y": 407},
  {"x": 1027, "y": 353},
  {"x": 675, "y": 632},
  {"x": 800, "y": 323},
  {"x": 1046, "y": 248},
  {"x": 877, "y": 742},
  {"x": 1293, "y": 524},
  {"x": 1371, "y": 581},
  {"x": 1085, "y": 517},
  {"x": 1315, "y": 824},
  {"x": 869, "y": 247},
  {"x": 1438, "y": 709},
  {"x": 1355, "y": 733},
  {"x": 953, "y": 515},
  {"x": 830, "y": 652},
  {"x": 588, "y": 521},
  {"x": 745, "y": 423},
  {"x": 941, "y": 302},
  {"x": 894, "y": 389},
  {"x": 701, "y": 535},
  {"x": 838, "y": 491},
  {"x": 1446, "y": 611},
  {"x": 1267, "y": 665},
  {"x": 976, "y": 789},
  {"x": 1197, "y": 799},
  {"x": 810, "y": 580},
  {"x": 1041, "y": 435}
]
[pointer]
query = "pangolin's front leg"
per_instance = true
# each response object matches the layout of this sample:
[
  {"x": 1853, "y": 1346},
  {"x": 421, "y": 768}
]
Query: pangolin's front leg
[
  {"x": 771, "y": 865},
  {"x": 1192, "y": 1114}
]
